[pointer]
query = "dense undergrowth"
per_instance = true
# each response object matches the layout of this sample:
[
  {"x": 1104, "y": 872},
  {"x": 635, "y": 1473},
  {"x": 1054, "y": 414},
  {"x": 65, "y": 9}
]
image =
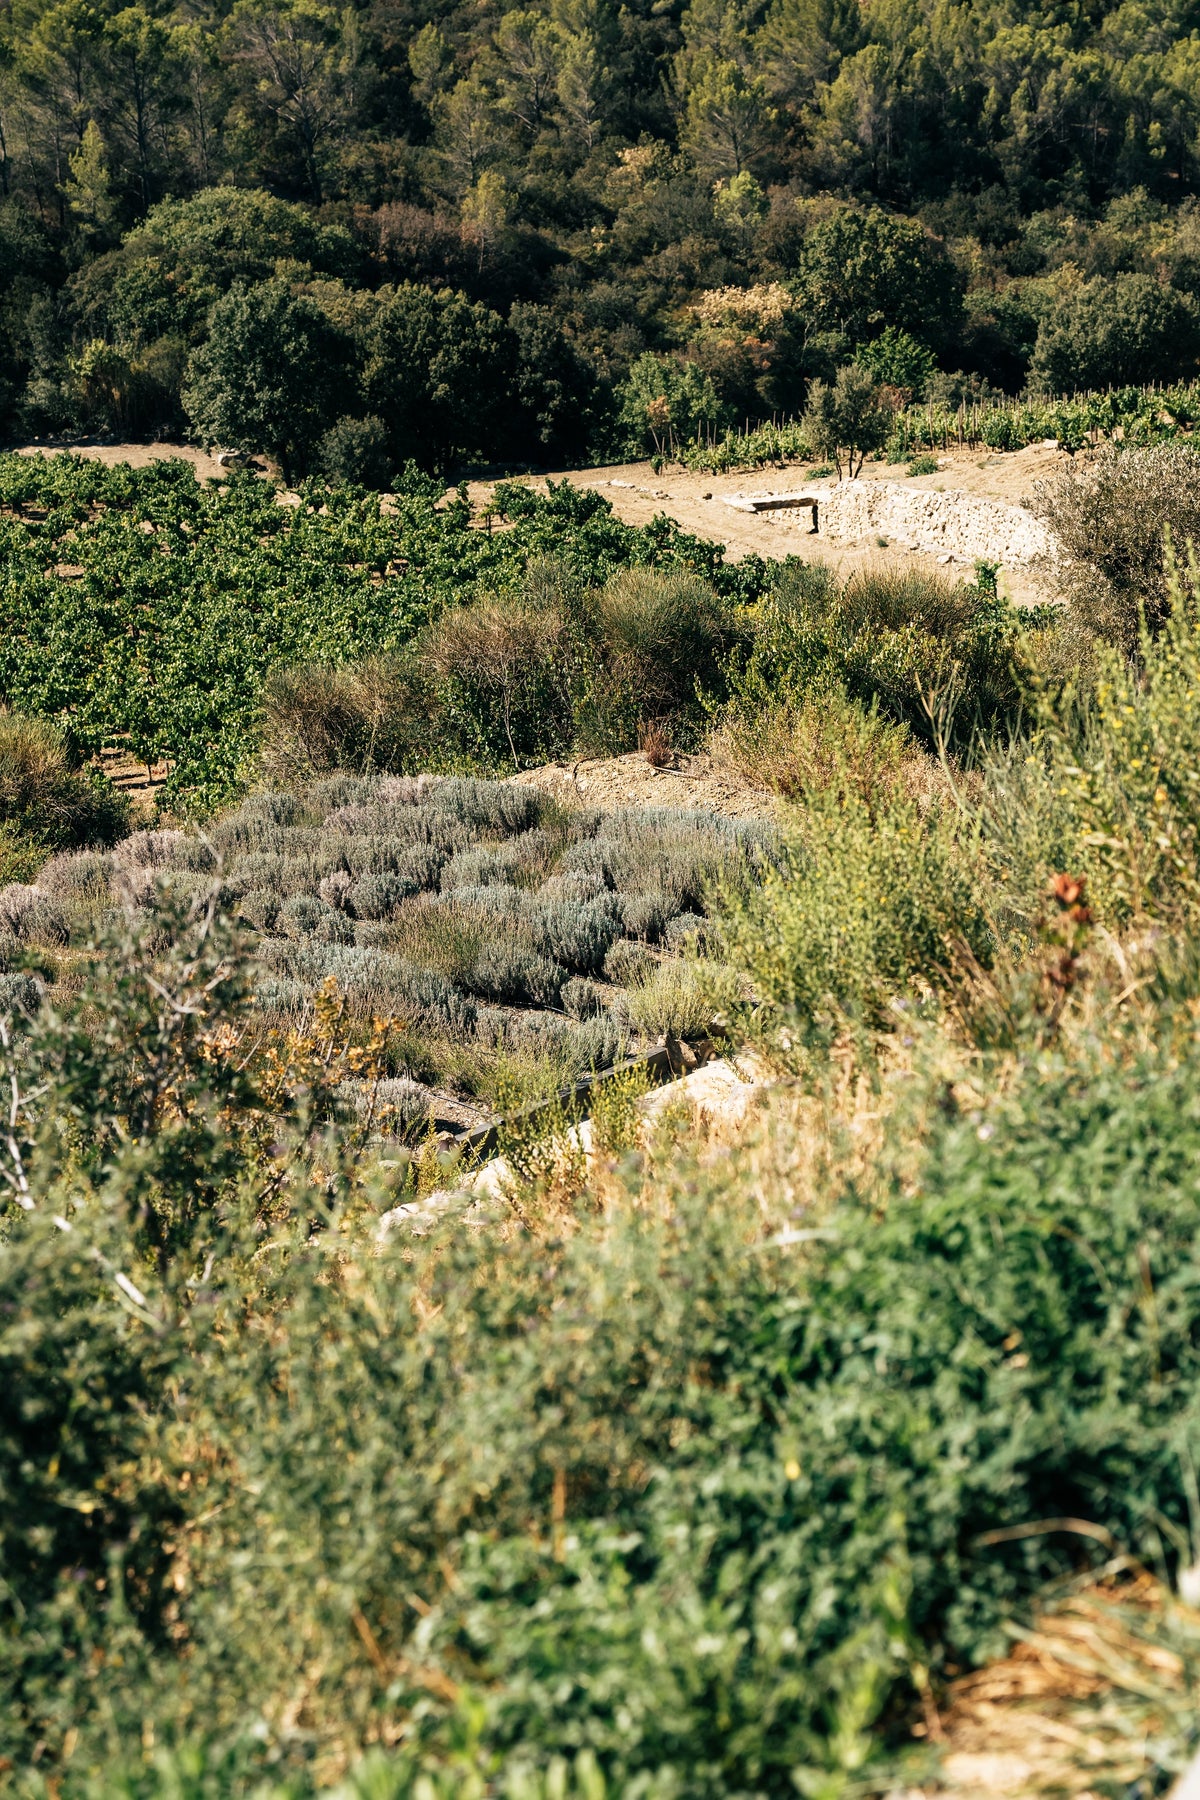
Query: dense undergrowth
[
  {"x": 675, "y": 1473},
  {"x": 138, "y": 606}
]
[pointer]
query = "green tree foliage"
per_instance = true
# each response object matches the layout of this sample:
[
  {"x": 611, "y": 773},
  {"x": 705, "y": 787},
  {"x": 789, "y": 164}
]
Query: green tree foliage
[
  {"x": 860, "y": 270},
  {"x": 1132, "y": 329},
  {"x": 847, "y": 418},
  {"x": 437, "y": 369},
  {"x": 663, "y": 402},
  {"x": 187, "y": 254},
  {"x": 1015, "y": 197},
  {"x": 896, "y": 359},
  {"x": 269, "y": 376}
]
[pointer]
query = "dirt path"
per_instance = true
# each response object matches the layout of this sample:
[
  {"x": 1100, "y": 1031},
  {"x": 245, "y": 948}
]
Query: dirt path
[{"x": 138, "y": 456}]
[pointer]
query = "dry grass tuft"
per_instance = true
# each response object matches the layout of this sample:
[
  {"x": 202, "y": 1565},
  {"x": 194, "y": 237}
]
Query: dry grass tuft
[{"x": 1084, "y": 1702}]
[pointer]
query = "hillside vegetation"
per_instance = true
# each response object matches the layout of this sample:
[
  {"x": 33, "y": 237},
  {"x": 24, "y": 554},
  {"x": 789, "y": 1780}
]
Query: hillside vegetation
[
  {"x": 666, "y": 1471},
  {"x": 349, "y": 236}
]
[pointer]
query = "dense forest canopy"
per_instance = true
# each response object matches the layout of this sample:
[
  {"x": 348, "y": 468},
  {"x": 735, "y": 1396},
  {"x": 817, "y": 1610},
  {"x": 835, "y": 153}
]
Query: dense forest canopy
[{"x": 351, "y": 235}]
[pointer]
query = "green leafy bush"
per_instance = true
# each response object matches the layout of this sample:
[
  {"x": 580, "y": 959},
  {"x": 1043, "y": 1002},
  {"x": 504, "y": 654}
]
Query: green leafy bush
[
  {"x": 875, "y": 904},
  {"x": 720, "y": 1507},
  {"x": 898, "y": 360},
  {"x": 357, "y": 451},
  {"x": 663, "y": 402},
  {"x": 1113, "y": 331},
  {"x": 936, "y": 655}
]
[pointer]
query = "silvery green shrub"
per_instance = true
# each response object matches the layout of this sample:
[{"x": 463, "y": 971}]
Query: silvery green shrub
[
  {"x": 419, "y": 863},
  {"x": 335, "y": 791},
  {"x": 334, "y": 928},
  {"x": 282, "y": 995},
  {"x": 514, "y": 975},
  {"x": 574, "y": 932},
  {"x": 259, "y": 907},
  {"x": 272, "y": 807},
  {"x": 378, "y": 896},
  {"x": 300, "y": 916},
  {"x": 27, "y": 914},
  {"x": 335, "y": 886},
  {"x": 597, "y": 1043},
  {"x": 77, "y": 875},
  {"x": 581, "y": 997},
  {"x": 626, "y": 961},
  {"x": 20, "y": 993},
  {"x": 148, "y": 849},
  {"x": 492, "y": 804},
  {"x": 645, "y": 915},
  {"x": 574, "y": 884},
  {"x": 394, "y": 1105},
  {"x": 487, "y": 866},
  {"x": 686, "y": 928}
]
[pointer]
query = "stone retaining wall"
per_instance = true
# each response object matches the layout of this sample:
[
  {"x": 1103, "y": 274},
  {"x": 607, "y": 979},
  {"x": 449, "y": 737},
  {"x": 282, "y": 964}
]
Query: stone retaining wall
[{"x": 950, "y": 523}]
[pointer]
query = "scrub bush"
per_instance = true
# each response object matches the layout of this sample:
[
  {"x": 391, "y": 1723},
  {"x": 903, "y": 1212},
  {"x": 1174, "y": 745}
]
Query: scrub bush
[
  {"x": 1109, "y": 518},
  {"x": 582, "y": 998},
  {"x": 395, "y": 1105},
  {"x": 687, "y": 928},
  {"x": 19, "y": 993},
  {"x": 577, "y": 933},
  {"x": 663, "y": 636},
  {"x": 680, "y": 998},
  {"x": 489, "y": 865},
  {"x": 300, "y": 916},
  {"x": 516, "y": 977},
  {"x": 869, "y": 909},
  {"x": 502, "y": 672},
  {"x": 627, "y": 962},
  {"x": 378, "y": 896},
  {"x": 77, "y": 875},
  {"x": 259, "y": 907},
  {"x": 645, "y": 915},
  {"x": 924, "y": 651},
  {"x": 46, "y": 801},
  {"x": 363, "y": 715},
  {"x": 27, "y": 914},
  {"x": 795, "y": 744},
  {"x": 150, "y": 850}
]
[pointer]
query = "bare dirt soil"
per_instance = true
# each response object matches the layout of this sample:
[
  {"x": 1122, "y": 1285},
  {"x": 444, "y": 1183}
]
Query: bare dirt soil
[
  {"x": 694, "y": 783},
  {"x": 138, "y": 456},
  {"x": 695, "y": 502}
]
